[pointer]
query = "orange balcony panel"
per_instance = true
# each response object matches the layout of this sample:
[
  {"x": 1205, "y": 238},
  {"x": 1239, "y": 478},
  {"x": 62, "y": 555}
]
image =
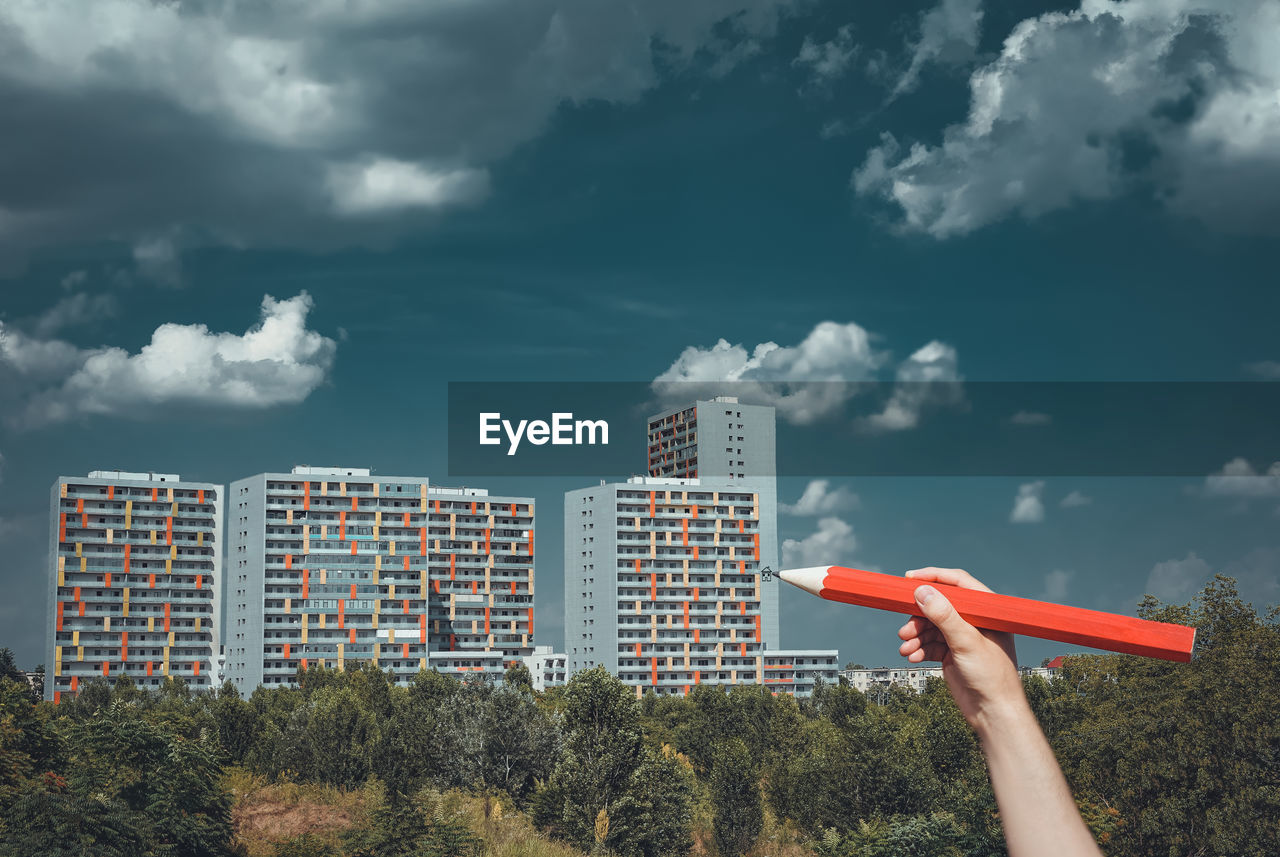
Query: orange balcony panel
[
  {"x": 288, "y": 651},
  {"x": 422, "y": 541}
]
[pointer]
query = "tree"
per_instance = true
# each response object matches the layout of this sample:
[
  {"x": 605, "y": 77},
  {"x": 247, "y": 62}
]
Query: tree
[
  {"x": 736, "y": 796},
  {"x": 518, "y": 676},
  {"x": 1184, "y": 753},
  {"x": 654, "y": 815},
  {"x": 602, "y": 751},
  {"x": 9, "y": 668}
]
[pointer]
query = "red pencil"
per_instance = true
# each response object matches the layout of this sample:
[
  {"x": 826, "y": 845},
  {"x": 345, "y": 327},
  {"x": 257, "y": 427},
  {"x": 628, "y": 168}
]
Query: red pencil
[{"x": 1002, "y": 612}]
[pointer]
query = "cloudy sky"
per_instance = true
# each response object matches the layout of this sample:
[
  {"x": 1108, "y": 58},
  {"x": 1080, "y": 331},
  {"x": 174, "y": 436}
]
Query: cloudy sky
[{"x": 235, "y": 239}]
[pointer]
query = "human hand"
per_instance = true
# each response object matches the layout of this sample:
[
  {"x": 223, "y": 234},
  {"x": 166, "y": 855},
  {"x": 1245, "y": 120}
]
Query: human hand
[{"x": 980, "y": 667}]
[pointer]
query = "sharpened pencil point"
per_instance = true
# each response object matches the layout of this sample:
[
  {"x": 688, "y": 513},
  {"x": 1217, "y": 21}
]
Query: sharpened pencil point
[{"x": 808, "y": 579}]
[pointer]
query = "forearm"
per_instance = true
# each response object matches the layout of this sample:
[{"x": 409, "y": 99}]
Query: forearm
[{"x": 1036, "y": 808}]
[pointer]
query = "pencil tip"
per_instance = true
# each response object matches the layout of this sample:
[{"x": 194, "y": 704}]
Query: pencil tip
[{"x": 808, "y": 579}]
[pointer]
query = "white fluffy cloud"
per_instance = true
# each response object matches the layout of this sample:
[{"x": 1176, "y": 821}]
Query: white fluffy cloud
[
  {"x": 776, "y": 374},
  {"x": 840, "y": 357},
  {"x": 1028, "y": 503},
  {"x": 1177, "y": 579},
  {"x": 1238, "y": 479},
  {"x": 832, "y": 544},
  {"x": 827, "y": 61},
  {"x": 277, "y": 361},
  {"x": 291, "y": 122},
  {"x": 1167, "y": 94},
  {"x": 819, "y": 498},
  {"x": 927, "y": 379},
  {"x": 385, "y": 185},
  {"x": 948, "y": 32},
  {"x": 1075, "y": 499}
]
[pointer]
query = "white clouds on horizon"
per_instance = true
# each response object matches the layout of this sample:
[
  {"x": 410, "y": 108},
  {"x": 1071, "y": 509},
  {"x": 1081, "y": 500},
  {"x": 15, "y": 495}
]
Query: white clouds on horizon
[
  {"x": 812, "y": 380},
  {"x": 818, "y": 498},
  {"x": 1087, "y": 104},
  {"x": 277, "y": 361},
  {"x": 833, "y": 543},
  {"x": 1028, "y": 504},
  {"x": 1238, "y": 479}
]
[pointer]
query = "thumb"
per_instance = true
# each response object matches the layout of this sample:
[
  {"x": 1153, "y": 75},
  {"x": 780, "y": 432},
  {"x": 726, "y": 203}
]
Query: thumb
[{"x": 937, "y": 609}]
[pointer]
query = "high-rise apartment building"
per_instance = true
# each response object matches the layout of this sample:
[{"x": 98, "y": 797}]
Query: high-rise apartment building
[
  {"x": 718, "y": 437},
  {"x": 662, "y": 582},
  {"x": 135, "y": 580},
  {"x": 330, "y": 565},
  {"x": 723, "y": 439}
]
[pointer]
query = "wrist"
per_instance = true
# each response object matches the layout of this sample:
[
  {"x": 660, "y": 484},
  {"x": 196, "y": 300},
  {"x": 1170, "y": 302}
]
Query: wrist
[{"x": 1002, "y": 718}]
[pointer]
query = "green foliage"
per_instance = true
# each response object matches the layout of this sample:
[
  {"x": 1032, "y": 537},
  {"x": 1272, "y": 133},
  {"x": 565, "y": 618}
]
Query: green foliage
[
  {"x": 735, "y": 793},
  {"x": 1164, "y": 759}
]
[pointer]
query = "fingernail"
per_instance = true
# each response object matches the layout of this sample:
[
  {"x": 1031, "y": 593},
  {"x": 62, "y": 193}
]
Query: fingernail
[{"x": 925, "y": 594}]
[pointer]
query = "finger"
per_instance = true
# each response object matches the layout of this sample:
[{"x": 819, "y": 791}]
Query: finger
[
  {"x": 928, "y": 638},
  {"x": 957, "y": 633},
  {"x": 953, "y": 576},
  {"x": 931, "y": 652},
  {"x": 915, "y": 626}
]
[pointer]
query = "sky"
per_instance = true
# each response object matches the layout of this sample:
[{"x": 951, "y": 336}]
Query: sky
[{"x": 234, "y": 239}]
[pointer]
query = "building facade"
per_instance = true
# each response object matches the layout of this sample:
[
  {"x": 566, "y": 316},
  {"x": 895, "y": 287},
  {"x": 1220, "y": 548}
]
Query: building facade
[
  {"x": 547, "y": 668},
  {"x": 135, "y": 580},
  {"x": 916, "y": 677},
  {"x": 723, "y": 439},
  {"x": 798, "y": 671},
  {"x": 332, "y": 565},
  {"x": 662, "y": 583}
]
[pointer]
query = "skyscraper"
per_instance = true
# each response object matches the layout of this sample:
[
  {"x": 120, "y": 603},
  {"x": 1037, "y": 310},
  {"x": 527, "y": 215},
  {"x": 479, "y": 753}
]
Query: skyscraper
[
  {"x": 331, "y": 565},
  {"x": 663, "y": 582},
  {"x": 723, "y": 439},
  {"x": 135, "y": 580}
]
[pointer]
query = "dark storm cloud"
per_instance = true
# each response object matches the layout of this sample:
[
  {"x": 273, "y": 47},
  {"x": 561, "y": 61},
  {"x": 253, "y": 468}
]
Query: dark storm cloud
[{"x": 303, "y": 124}]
